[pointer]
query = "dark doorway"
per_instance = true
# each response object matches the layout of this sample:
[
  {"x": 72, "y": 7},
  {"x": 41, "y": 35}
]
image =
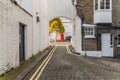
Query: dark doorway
[{"x": 21, "y": 42}]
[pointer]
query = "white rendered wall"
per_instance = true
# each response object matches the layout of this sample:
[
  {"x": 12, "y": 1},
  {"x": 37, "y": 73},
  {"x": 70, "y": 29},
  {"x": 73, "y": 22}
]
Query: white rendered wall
[
  {"x": 77, "y": 37},
  {"x": 44, "y": 24},
  {"x": 68, "y": 25},
  {"x": 68, "y": 29},
  {"x": 103, "y": 16},
  {"x": 92, "y": 53},
  {"x": 10, "y": 16},
  {"x": 36, "y": 26}
]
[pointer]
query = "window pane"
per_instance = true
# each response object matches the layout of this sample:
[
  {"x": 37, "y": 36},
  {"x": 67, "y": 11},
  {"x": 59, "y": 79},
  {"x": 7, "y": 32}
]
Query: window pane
[
  {"x": 92, "y": 29},
  {"x": 85, "y": 29},
  {"x": 102, "y": 1},
  {"x": 96, "y": 4},
  {"x": 107, "y": 4},
  {"x": 119, "y": 35},
  {"x": 89, "y": 31},
  {"x": 118, "y": 43},
  {"x": 111, "y": 39},
  {"x": 101, "y": 4},
  {"x": 92, "y": 33},
  {"x": 107, "y": 7}
]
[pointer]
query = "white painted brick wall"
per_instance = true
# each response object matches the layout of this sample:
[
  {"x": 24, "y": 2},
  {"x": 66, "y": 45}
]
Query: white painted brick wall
[{"x": 10, "y": 16}]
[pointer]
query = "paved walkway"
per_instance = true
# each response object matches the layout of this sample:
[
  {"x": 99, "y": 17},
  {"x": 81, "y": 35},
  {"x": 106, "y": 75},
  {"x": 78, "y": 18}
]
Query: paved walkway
[{"x": 64, "y": 66}]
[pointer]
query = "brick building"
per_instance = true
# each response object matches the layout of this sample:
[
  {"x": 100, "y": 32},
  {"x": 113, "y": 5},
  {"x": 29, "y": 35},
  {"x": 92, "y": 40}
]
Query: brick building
[{"x": 101, "y": 27}]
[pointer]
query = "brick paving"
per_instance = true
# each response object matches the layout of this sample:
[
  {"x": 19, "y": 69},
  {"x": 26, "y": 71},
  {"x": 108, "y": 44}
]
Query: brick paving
[{"x": 64, "y": 66}]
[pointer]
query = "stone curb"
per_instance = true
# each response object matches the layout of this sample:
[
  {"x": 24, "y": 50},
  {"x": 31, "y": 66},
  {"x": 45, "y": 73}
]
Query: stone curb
[{"x": 73, "y": 51}]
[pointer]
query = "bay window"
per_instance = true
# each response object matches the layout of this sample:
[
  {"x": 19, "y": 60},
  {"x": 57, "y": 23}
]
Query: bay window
[{"x": 102, "y": 11}]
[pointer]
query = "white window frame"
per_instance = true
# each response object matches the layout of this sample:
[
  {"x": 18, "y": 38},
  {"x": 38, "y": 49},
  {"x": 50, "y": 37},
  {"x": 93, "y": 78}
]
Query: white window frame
[
  {"x": 86, "y": 31},
  {"x": 118, "y": 40},
  {"x": 96, "y": 5},
  {"x": 105, "y": 4},
  {"x": 99, "y": 5}
]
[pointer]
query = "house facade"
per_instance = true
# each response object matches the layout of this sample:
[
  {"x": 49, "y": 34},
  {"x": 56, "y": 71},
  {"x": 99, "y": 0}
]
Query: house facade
[{"x": 100, "y": 28}]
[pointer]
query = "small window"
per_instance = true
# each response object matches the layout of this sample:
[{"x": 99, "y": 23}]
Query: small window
[
  {"x": 89, "y": 32},
  {"x": 118, "y": 39}
]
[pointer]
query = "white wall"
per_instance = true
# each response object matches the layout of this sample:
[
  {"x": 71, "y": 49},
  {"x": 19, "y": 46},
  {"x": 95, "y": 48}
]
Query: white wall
[
  {"x": 68, "y": 25},
  {"x": 77, "y": 37},
  {"x": 44, "y": 24},
  {"x": 10, "y": 16},
  {"x": 103, "y": 16},
  {"x": 36, "y": 26},
  {"x": 92, "y": 53},
  {"x": 68, "y": 29}
]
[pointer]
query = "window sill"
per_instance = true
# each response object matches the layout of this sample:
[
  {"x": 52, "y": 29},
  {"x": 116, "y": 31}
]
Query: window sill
[
  {"x": 118, "y": 46},
  {"x": 111, "y": 45},
  {"x": 89, "y": 37},
  {"x": 102, "y": 10}
]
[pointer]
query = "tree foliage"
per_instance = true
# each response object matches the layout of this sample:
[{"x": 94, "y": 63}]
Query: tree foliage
[{"x": 56, "y": 25}]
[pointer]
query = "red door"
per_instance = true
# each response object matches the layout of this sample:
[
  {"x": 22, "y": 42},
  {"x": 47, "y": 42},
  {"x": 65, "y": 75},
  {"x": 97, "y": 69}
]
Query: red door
[{"x": 62, "y": 37}]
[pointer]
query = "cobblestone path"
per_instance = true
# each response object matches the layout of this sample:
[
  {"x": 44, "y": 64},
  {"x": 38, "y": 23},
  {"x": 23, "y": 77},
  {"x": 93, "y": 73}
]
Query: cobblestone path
[{"x": 64, "y": 66}]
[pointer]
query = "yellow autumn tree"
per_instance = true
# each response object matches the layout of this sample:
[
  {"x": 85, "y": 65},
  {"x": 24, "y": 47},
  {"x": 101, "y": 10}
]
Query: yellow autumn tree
[{"x": 56, "y": 25}]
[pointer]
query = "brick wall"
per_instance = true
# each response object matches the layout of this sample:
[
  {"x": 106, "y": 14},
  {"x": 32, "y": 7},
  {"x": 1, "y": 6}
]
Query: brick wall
[
  {"x": 10, "y": 16},
  {"x": 86, "y": 7},
  {"x": 89, "y": 44},
  {"x": 116, "y": 12}
]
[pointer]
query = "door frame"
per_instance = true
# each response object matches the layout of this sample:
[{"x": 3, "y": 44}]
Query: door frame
[
  {"x": 25, "y": 40},
  {"x": 111, "y": 48}
]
